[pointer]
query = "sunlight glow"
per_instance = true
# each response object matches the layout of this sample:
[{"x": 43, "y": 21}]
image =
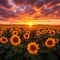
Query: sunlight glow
[
  {"x": 35, "y": 22},
  {"x": 30, "y": 23}
]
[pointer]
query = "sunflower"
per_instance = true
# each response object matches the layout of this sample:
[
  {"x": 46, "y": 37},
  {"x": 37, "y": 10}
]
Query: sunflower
[
  {"x": 56, "y": 40},
  {"x": 58, "y": 31},
  {"x": 3, "y": 40},
  {"x": 48, "y": 31},
  {"x": 3, "y": 29},
  {"x": 52, "y": 32},
  {"x": 28, "y": 32},
  {"x": 26, "y": 36},
  {"x": 15, "y": 33},
  {"x": 33, "y": 48},
  {"x": 19, "y": 30},
  {"x": 38, "y": 33},
  {"x": 43, "y": 32},
  {"x": 2, "y": 32},
  {"x": 15, "y": 40},
  {"x": 11, "y": 29},
  {"x": 16, "y": 28},
  {"x": 50, "y": 42}
]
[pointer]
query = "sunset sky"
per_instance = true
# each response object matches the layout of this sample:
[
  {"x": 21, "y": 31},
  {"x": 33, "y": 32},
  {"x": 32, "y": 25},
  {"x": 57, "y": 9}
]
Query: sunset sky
[{"x": 17, "y": 11}]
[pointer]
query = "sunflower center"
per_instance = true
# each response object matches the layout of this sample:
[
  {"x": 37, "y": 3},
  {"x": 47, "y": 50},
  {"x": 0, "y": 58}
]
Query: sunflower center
[
  {"x": 38, "y": 32},
  {"x": 33, "y": 47},
  {"x": 48, "y": 31},
  {"x": 52, "y": 32},
  {"x": 59, "y": 31},
  {"x": 15, "y": 39},
  {"x": 50, "y": 42},
  {"x": 4, "y": 39},
  {"x": 27, "y": 31},
  {"x": 55, "y": 40},
  {"x": 26, "y": 35},
  {"x": 14, "y": 32}
]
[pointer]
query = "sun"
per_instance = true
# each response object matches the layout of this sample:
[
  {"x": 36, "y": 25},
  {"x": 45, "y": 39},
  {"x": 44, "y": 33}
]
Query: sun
[{"x": 30, "y": 23}]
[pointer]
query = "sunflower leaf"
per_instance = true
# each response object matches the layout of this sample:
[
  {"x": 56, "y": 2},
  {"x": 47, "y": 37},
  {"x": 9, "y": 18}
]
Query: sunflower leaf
[
  {"x": 9, "y": 54},
  {"x": 52, "y": 56}
]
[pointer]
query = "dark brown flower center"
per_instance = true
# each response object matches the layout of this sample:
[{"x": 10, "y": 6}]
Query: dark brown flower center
[
  {"x": 27, "y": 32},
  {"x": 59, "y": 31},
  {"x": 26, "y": 35},
  {"x": 14, "y": 32},
  {"x": 50, "y": 42},
  {"x": 4, "y": 39},
  {"x": 33, "y": 47},
  {"x": 48, "y": 31},
  {"x": 15, "y": 39},
  {"x": 55, "y": 40},
  {"x": 38, "y": 32},
  {"x": 52, "y": 32}
]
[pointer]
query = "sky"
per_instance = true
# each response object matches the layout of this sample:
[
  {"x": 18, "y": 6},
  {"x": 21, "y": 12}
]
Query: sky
[{"x": 12, "y": 11}]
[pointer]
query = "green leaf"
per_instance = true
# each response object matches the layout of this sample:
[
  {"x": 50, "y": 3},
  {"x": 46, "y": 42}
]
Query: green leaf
[
  {"x": 9, "y": 55},
  {"x": 52, "y": 56},
  {"x": 33, "y": 58},
  {"x": 36, "y": 57}
]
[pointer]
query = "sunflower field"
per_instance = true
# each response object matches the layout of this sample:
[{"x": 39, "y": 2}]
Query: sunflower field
[{"x": 19, "y": 42}]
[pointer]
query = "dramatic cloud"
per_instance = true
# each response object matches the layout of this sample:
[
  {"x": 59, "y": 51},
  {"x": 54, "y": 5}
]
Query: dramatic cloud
[
  {"x": 29, "y": 9},
  {"x": 5, "y": 3},
  {"x": 37, "y": 3},
  {"x": 6, "y": 13}
]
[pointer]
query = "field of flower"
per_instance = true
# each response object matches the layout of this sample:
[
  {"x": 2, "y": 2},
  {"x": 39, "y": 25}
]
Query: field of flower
[{"x": 22, "y": 42}]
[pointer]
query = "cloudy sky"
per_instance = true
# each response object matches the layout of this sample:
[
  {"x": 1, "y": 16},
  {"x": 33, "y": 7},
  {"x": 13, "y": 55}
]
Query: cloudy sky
[{"x": 21, "y": 10}]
